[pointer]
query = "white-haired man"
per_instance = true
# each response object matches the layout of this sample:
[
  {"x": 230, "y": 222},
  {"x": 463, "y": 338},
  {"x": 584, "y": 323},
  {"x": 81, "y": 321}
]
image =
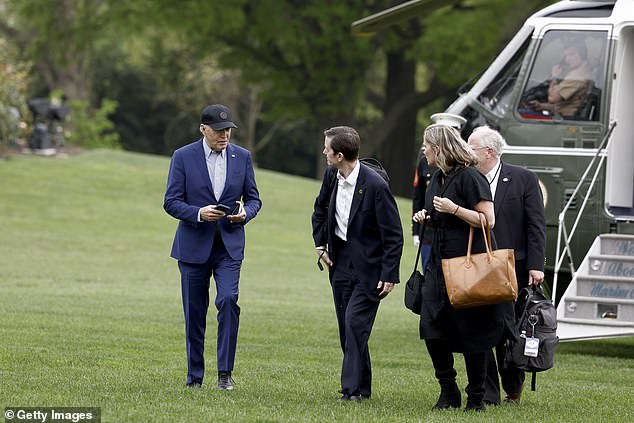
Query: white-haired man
[{"x": 520, "y": 224}]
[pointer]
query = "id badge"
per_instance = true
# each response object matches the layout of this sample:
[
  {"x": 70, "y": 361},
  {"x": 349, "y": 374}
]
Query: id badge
[{"x": 531, "y": 348}]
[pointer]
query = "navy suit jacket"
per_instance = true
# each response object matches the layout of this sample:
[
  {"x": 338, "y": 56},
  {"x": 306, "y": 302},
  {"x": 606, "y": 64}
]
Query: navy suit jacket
[
  {"x": 520, "y": 221},
  {"x": 375, "y": 234},
  {"x": 189, "y": 188}
]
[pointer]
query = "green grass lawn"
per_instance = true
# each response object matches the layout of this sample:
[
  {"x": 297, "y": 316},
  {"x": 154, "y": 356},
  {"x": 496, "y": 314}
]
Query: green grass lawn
[{"x": 90, "y": 313}]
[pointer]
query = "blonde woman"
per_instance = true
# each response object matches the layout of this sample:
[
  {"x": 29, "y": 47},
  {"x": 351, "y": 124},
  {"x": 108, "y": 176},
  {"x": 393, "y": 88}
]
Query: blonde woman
[{"x": 456, "y": 193}]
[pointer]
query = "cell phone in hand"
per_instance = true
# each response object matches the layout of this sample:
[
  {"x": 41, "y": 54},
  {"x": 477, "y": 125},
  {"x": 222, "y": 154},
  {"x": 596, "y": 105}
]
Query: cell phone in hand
[
  {"x": 223, "y": 208},
  {"x": 235, "y": 210}
]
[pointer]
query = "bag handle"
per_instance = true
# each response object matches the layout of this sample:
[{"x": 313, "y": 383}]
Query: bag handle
[
  {"x": 486, "y": 233},
  {"x": 484, "y": 223},
  {"x": 420, "y": 243}
]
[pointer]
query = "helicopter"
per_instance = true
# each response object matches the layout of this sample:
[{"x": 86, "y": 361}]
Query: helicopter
[{"x": 579, "y": 144}]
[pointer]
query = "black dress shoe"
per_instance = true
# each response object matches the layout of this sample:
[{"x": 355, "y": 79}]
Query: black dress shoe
[
  {"x": 350, "y": 398},
  {"x": 471, "y": 406},
  {"x": 513, "y": 398},
  {"x": 225, "y": 381},
  {"x": 195, "y": 385}
]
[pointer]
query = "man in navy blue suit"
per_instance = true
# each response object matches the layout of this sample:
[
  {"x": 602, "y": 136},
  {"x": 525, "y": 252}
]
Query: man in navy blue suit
[
  {"x": 358, "y": 234},
  {"x": 520, "y": 224},
  {"x": 211, "y": 190}
]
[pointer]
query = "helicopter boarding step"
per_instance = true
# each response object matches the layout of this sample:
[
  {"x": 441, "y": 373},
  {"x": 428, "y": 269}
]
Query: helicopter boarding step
[{"x": 599, "y": 302}]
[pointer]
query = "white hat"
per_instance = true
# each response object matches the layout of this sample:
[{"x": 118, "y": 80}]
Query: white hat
[{"x": 448, "y": 119}]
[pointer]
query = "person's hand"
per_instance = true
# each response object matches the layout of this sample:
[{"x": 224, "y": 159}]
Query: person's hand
[
  {"x": 536, "y": 105},
  {"x": 211, "y": 213},
  {"x": 240, "y": 216},
  {"x": 557, "y": 72},
  {"x": 416, "y": 241},
  {"x": 419, "y": 216},
  {"x": 384, "y": 288},
  {"x": 444, "y": 205},
  {"x": 539, "y": 106},
  {"x": 535, "y": 277},
  {"x": 323, "y": 256}
]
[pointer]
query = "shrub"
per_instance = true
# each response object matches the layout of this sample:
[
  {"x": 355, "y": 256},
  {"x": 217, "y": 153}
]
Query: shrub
[{"x": 91, "y": 127}]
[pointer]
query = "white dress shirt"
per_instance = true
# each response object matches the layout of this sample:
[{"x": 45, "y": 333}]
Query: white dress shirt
[
  {"x": 345, "y": 193},
  {"x": 493, "y": 176},
  {"x": 217, "y": 168}
]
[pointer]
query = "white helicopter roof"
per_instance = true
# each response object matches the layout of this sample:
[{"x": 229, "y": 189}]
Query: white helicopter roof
[{"x": 587, "y": 11}]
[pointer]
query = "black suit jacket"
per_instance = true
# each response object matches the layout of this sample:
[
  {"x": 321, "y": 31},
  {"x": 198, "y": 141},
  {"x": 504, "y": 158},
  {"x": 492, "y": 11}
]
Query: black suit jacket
[
  {"x": 520, "y": 221},
  {"x": 422, "y": 178},
  {"x": 375, "y": 234}
]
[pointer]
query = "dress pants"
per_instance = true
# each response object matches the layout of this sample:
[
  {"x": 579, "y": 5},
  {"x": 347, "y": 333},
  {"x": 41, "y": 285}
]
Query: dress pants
[
  {"x": 356, "y": 310},
  {"x": 512, "y": 378},
  {"x": 195, "y": 279}
]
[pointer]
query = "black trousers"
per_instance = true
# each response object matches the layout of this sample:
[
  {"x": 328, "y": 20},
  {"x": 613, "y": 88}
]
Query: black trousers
[
  {"x": 512, "y": 378},
  {"x": 356, "y": 311},
  {"x": 443, "y": 361}
]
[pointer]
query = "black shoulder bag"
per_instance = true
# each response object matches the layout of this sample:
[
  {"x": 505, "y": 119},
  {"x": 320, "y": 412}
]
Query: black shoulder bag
[{"x": 413, "y": 294}]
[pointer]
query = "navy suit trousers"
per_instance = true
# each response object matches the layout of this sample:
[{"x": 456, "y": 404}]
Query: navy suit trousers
[
  {"x": 195, "y": 280},
  {"x": 356, "y": 311}
]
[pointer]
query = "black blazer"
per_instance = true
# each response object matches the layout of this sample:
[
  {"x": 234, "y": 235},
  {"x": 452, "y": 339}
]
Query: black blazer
[
  {"x": 375, "y": 234},
  {"x": 520, "y": 221},
  {"x": 422, "y": 179}
]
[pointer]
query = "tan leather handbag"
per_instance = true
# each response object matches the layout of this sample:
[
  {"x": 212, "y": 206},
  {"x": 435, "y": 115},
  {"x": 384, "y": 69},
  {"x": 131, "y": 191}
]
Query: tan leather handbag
[{"x": 481, "y": 279}]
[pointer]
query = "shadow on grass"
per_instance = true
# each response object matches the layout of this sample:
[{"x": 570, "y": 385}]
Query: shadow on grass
[{"x": 617, "y": 348}]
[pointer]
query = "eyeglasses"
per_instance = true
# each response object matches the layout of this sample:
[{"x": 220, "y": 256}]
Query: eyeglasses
[{"x": 479, "y": 148}]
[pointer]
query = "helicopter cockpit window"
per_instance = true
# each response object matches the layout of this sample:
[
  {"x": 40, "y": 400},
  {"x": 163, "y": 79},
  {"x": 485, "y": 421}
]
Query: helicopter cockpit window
[
  {"x": 497, "y": 96},
  {"x": 567, "y": 78}
]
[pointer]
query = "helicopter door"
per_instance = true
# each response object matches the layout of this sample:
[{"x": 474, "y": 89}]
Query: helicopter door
[
  {"x": 620, "y": 170},
  {"x": 558, "y": 119}
]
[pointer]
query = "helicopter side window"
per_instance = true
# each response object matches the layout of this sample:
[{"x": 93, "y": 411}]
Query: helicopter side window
[
  {"x": 497, "y": 96},
  {"x": 566, "y": 80}
]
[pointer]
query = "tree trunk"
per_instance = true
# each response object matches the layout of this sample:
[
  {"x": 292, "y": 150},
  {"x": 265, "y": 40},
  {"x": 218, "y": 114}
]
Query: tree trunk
[{"x": 398, "y": 151}]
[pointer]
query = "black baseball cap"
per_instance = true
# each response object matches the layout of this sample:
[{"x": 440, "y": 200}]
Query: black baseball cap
[{"x": 217, "y": 116}]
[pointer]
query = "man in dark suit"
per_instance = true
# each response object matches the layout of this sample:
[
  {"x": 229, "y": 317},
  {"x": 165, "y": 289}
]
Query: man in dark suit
[
  {"x": 211, "y": 190},
  {"x": 422, "y": 176},
  {"x": 520, "y": 224},
  {"x": 358, "y": 234}
]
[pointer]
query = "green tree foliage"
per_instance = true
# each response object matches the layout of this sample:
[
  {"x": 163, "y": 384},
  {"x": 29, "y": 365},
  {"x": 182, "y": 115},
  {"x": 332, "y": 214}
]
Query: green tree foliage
[
  {"x": 297, "y": 62},
  {"x": 13, "y": 84},
  {"x": 60, "y": 37},
  {"x": 92, "y": 128}
]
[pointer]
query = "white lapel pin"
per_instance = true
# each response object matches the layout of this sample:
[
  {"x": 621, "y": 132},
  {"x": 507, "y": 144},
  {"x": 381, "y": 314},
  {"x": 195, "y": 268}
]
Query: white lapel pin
[{"x": 505, "y": 180}]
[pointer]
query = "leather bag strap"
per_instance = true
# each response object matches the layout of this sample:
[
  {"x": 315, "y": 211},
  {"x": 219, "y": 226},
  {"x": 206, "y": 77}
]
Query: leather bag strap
[
  {"x": 486, "y": 233},
  {"x": 420, "y": 243}
]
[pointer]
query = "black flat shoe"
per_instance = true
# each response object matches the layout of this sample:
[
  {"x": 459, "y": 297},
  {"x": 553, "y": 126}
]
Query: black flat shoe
[{"x": 449, "y": 398}]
